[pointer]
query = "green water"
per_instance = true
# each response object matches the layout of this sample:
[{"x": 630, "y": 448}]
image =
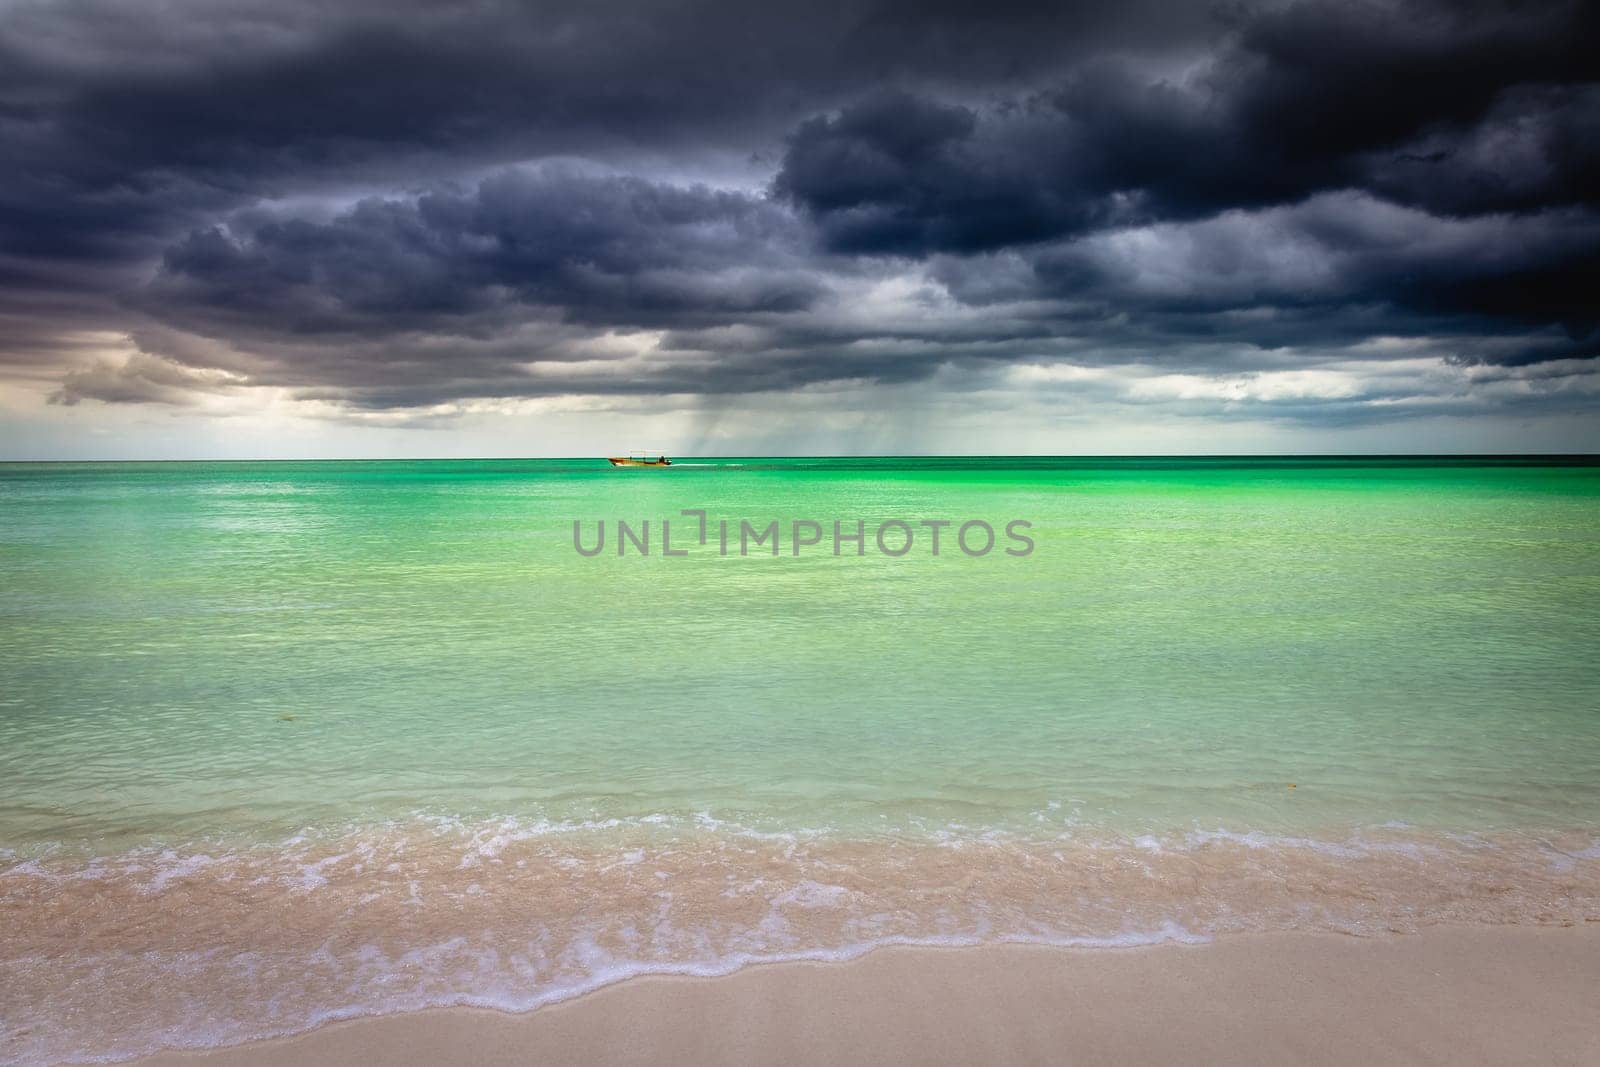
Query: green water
[{"x": 245, "y": 650}]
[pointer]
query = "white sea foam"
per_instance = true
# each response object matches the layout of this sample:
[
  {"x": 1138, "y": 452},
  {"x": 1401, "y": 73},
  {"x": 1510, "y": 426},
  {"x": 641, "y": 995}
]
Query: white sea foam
[{"x": 515, "y": 913}]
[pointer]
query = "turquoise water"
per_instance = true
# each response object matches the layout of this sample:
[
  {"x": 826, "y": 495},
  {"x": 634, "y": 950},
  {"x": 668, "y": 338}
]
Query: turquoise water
[
  {"x": 211, "y": 669},
  {"x": 1401, "y": 641}
]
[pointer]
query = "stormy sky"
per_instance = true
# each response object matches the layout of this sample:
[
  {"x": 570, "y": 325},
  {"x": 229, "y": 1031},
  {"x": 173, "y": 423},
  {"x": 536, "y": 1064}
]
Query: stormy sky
[{"x": 273, "y": 227}]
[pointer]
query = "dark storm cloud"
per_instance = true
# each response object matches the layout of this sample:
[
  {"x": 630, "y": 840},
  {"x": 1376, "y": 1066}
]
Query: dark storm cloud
[
  {"x": 1338, "y": 253},
  {"x": 589, "y": 248},
  {"x": 396, "y": 205},
  {"x": 1418, "y": 101},
  {"x": 122, "y": 119}
]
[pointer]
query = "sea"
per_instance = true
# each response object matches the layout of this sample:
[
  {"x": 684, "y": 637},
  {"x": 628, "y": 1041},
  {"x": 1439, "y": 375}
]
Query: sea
[{"x": 290, "y": 742}]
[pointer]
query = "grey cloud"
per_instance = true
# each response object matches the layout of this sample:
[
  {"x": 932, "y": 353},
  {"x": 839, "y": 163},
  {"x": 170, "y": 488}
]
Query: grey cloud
[
  {"x": 141, "y": 378},
  {"x": 400, "y": 205},
  {"x": 1343, "y": 249},
  {"x": 1318, "y": 96},
  {"x": 598, "y": 249}
]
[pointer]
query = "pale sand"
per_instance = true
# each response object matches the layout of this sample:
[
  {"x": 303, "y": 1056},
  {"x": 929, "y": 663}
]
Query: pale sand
[{"x": 1448, "y": 996}]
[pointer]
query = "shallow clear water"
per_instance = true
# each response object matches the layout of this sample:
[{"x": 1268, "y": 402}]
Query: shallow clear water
[{"x": 378, "y": 736}]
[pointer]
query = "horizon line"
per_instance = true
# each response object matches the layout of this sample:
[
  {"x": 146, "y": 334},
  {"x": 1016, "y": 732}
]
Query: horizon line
[{"x": 874, "y": 455}]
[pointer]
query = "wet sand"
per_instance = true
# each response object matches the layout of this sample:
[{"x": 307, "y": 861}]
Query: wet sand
[{"x": 1456, "y": 995}]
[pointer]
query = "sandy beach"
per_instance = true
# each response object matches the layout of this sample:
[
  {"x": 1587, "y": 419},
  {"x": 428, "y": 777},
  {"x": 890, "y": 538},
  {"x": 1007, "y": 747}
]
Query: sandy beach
[{"x": 1450, "y": 995}]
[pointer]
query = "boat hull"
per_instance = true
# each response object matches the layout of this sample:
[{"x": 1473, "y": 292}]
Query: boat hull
[{"x": 624, "y": 461}]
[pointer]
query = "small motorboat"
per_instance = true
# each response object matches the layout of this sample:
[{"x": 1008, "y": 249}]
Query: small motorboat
[{"x": 640, "y": 459}]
